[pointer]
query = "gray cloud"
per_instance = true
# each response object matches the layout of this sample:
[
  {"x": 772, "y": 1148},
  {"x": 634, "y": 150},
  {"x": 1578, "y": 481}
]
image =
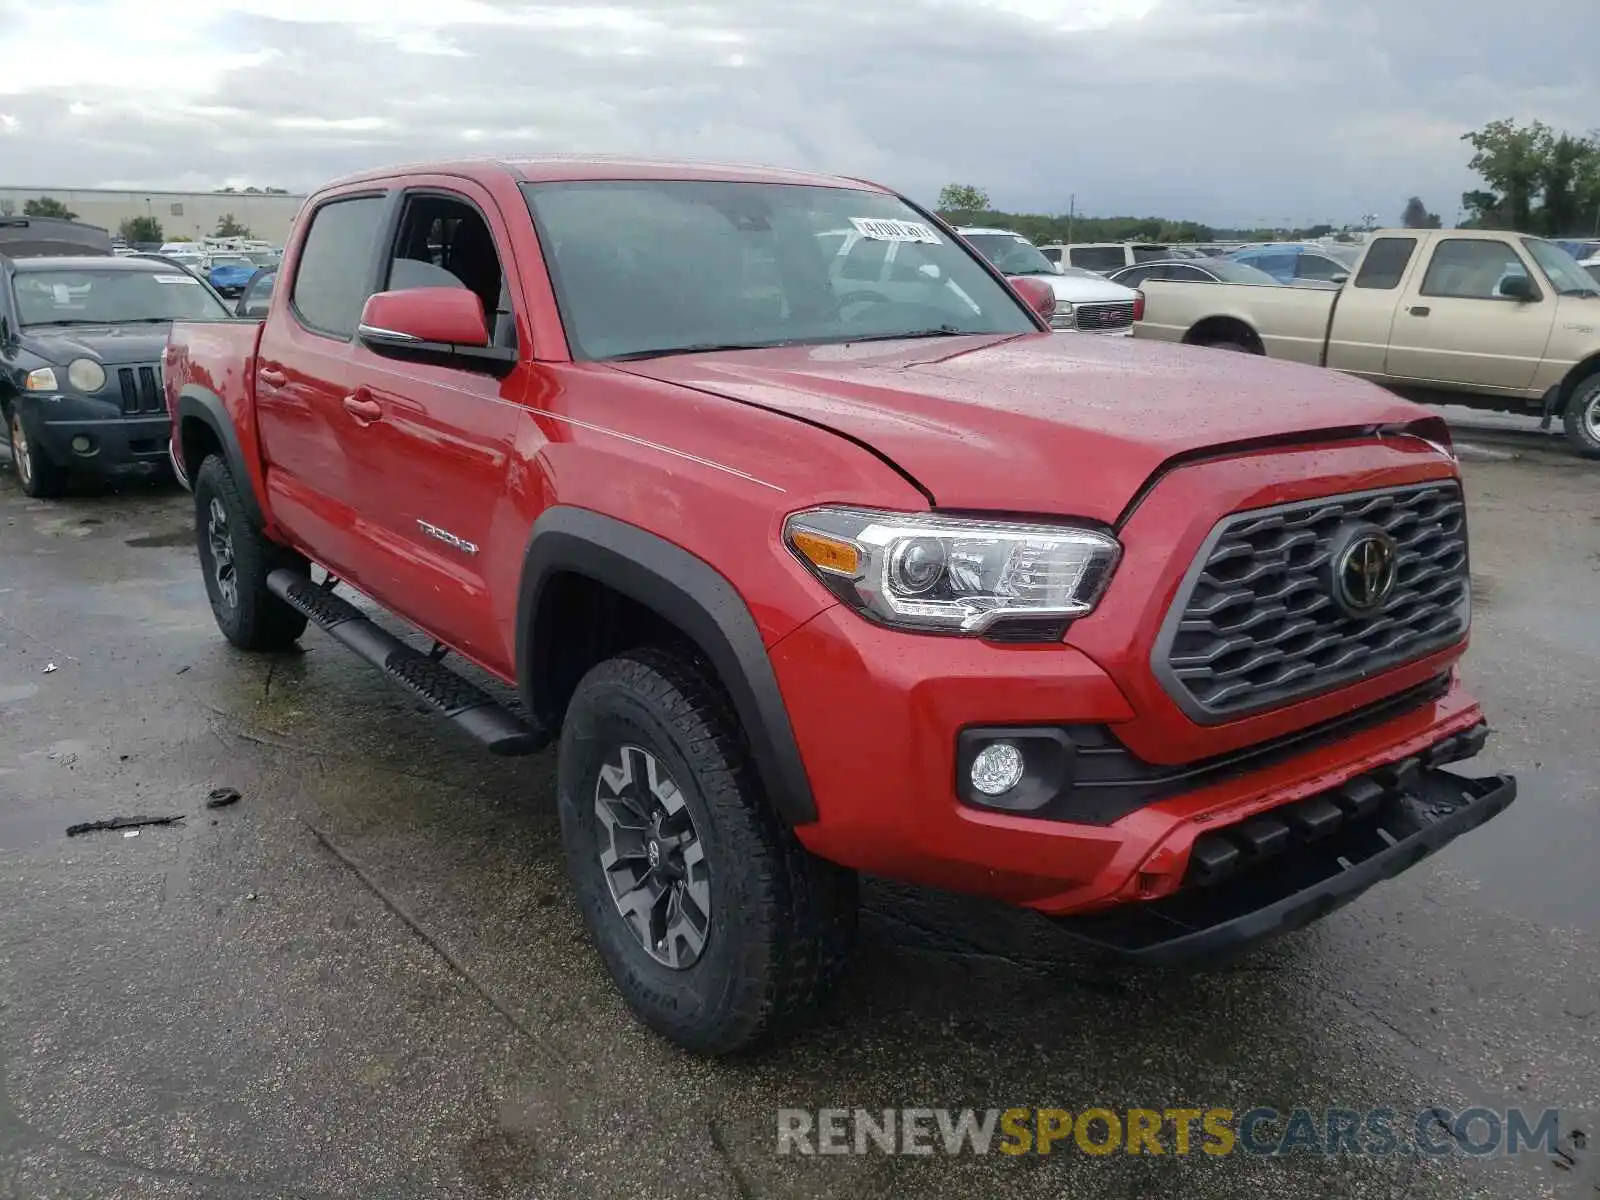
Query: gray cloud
[{"x": 1223, "y": 110}]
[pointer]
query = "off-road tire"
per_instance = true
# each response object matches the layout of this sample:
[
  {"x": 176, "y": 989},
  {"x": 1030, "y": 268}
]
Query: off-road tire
[
  {"x": 782, "y": 920},
  {"x": 1582, "y": 418},
  {"x": 253, "y": 618},
  {"x": 40, "y": 477}
]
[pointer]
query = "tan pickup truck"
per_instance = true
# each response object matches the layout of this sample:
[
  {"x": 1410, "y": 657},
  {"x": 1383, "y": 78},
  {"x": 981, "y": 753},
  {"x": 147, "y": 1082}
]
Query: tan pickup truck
[{"x": 1454, "y": 316}]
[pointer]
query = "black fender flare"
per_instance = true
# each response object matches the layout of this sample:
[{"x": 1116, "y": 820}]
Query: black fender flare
[
  {"x": 693, "y": 596},
  {"x": 196, "y": 403}
]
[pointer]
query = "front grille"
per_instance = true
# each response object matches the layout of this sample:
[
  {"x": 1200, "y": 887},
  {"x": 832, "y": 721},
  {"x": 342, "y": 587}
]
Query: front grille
[
  {"x": 141, "y": 390},
  {"x": 1256, "y": 625},
  {"x": 1097, "y": 317}
]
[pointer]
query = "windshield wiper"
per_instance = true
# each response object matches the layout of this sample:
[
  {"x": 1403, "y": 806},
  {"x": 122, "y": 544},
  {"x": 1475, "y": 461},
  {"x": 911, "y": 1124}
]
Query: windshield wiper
[
  {"x": 936, "y": 331},
  {"x": 63, "y": 321},
  {"x": 694, "y": 348}
]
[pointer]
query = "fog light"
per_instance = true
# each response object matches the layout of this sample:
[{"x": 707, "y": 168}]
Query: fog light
[
  {"x": 997, "y": 768},
  {"x": 81, "y": 444}
]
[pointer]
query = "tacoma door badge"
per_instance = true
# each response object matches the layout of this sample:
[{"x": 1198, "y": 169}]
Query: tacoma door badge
[{"x": 448, "y": 538}]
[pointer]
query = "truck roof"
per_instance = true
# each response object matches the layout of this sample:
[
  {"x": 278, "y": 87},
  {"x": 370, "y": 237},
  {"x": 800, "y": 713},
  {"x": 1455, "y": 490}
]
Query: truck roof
[{"x": 557, "y": 167}]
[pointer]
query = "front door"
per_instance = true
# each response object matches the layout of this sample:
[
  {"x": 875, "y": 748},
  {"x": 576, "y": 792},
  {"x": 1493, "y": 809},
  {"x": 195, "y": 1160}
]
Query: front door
[
  {"x": 436, "y": 461},
  {"x": 1458, "y": 327}
]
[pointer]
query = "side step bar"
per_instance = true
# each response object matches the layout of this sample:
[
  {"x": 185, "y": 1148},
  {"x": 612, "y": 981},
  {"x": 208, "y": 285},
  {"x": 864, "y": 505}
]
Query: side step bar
[{"x": 473, "y": 709}]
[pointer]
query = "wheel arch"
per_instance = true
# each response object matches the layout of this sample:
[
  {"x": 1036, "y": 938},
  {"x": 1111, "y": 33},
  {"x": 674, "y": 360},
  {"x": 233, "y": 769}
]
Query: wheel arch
[
  {"x": 1581, "y": 371},
  {"x": 203, "y": 427},
  {"x": 1222, "y": 327},
  {"x": 686, "y": 595}
]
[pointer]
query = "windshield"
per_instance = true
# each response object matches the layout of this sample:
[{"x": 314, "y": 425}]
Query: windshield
[
  {"x": 1237, "y": 272},
  {"x": 1566, "y": 276},
  {"x": 111, "y": 297},
  {"x": 644, "y": 267},
  {"x": 1011, "y": 253}
]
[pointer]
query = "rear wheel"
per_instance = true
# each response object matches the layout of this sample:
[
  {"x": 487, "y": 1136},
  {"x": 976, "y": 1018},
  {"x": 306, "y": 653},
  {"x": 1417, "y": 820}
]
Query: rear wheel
[
  {"x": 1583, "y": 417},
  {"x": 719, "y": 929},
  {"x": 237, "y": 559},
  {"x": 39, "y": 476}
]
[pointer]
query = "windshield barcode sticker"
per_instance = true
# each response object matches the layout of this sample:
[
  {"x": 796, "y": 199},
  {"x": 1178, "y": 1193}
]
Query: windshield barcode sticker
[
  {"x": 882, "y": 229},
  {"x": 177, "y": 279}
]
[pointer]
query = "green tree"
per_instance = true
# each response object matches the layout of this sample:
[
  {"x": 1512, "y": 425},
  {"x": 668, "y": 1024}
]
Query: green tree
[
  {"x": 1538, "y": 180},
  {"x": 229, "y": 226},
  {"x": 963, "y": 199},
  {"x": 1417, "y": 215},
  {"x": 140, "y": 229},
  {"x": 47, "y": 206}
]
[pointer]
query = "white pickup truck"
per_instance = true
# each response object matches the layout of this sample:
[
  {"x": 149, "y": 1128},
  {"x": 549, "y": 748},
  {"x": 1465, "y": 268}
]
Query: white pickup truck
[{"x": 1454, "y": 316}]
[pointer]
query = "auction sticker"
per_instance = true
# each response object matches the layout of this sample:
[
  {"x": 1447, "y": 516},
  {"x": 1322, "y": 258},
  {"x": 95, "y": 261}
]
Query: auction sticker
[
  {"x": 883, "y": 229},
  {"x": 177, "y": 279}
]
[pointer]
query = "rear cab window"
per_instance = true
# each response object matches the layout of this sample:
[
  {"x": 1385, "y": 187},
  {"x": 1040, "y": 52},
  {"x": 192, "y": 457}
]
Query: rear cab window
[
  {"x": 1385, "y": 264},
  {"x": 333, "y": 276}
]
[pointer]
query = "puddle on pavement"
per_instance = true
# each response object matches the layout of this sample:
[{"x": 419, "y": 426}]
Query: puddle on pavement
[{"x": 1537, "y": 859}]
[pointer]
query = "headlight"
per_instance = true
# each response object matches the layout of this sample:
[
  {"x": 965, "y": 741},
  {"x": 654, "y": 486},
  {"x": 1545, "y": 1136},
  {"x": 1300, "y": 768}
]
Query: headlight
[
  {"x": 954, "y": 575},
  {"x": 86, "y": 375},
  {"x": 1063, "y": 317},
  {"x": 42, "y": 380}
]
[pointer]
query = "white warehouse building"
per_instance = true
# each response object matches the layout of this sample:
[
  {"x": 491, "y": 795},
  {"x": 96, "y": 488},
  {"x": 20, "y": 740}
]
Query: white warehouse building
[{"x": 182, "y": 214}]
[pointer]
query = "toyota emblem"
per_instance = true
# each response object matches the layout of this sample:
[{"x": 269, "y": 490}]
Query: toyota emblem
[{"x": 1364, "y": 571}]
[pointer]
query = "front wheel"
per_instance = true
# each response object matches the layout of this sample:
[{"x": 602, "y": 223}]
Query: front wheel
[
  {"x": 237, "y": 558},
  {"x": 718, "y": 928},
  {"x": 1583, "y": 418},
  {"x": 39, "y": 476}
]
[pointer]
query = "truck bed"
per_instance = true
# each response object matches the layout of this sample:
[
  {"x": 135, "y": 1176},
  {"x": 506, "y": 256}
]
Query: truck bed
[{"x": 1290, "y": 322}]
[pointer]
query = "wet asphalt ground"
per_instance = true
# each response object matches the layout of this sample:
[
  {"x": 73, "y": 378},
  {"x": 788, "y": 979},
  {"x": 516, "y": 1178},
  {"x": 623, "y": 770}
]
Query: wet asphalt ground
[{"x": 367, "y": 978}]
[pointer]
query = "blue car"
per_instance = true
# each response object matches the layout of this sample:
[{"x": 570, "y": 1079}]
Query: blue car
[
  {"x": 230, "y": 273},
  {"x": 1290, "y": 263}
]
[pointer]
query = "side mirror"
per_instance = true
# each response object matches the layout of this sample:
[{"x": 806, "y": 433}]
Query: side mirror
[
  {"x": 443, "y": 316},
  {"x": 1339, "y": 277},
  {"x": 1036, "y": 294},
  {"x": 1518, "y": 288}
]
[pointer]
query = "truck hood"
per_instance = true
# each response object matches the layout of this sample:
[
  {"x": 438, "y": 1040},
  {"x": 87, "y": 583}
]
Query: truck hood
[
  {"x": 108, "y": 344},
  {"x": 1076, "y": 289},
  {"x": 1041, "y": 423}
]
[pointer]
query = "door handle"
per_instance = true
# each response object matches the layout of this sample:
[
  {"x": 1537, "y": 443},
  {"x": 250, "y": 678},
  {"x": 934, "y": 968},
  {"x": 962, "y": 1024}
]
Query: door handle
[
  {"x": 272, "y": 378},
  {"x": 1419, "y": 310},
  {"x": 365, "y": 411}
]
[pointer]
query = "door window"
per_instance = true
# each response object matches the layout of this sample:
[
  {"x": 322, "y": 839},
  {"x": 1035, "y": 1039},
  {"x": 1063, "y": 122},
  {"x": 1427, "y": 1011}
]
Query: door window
[
  {"x": 334, "y": 276},
  {"x": 1134, "y": 276},
  {"x": 444, "y": 241},
  {"x": 1470, "y": 269},
  {"x": 1187, "y": 274},
  {"x": 1316, "y": 266},
  {"x": 1385, "y": 263},
  {"x": 257, "y": 295}
]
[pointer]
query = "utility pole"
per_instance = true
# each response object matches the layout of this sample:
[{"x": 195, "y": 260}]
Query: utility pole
[{"x": 1072, "y": 212}]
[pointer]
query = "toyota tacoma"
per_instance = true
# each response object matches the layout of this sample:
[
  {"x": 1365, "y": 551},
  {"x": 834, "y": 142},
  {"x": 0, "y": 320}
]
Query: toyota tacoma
[{"x": 810, "y": 576}]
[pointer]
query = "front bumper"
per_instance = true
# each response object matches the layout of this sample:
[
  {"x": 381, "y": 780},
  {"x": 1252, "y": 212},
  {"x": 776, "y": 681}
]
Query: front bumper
[
  {"x": 877, "y": 714},
  {"x": 90, "y": 434},
  {"x": 1307, "y": 878}
]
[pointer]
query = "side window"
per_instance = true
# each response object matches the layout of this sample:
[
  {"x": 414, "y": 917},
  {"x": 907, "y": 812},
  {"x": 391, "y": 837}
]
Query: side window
[
  {"x": 257, "y": 297},
  {"x": 1099, "y": 258},
  {"x": 1137, "y": 275},
  {"x": 1053, "y": 253},
  {"x": 1385, "y": 263},
  {"x": 445, "y": 242},
  {"x": 1468, "y": 269},
  {"x": 1187, "y": 274},
  {"x": 333, "y": 279},
  {"x": 1149, "y": 253},
  {"x": 865, "y": 260}
]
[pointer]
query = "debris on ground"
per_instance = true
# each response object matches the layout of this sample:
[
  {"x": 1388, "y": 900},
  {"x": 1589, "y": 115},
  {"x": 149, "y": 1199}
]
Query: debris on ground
[
  {"x": 222, "y": 797},
  {"x": 121, "y": 823},
  {"x": 48, "y": 667}
]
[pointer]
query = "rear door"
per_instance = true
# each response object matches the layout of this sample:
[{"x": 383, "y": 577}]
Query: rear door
[
  {"x": 304, "y": 375},
  {"x": 1455, "y": 326},
  {"x": 436, "y": 458},
  {"x": 1363, "y": 318}
]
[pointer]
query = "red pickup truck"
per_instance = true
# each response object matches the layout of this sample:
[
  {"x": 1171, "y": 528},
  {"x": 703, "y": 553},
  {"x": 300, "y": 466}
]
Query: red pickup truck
[{"x": 813, "y": 569}]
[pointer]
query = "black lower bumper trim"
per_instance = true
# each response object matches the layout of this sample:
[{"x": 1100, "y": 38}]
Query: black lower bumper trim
[{"x": 1302, "y": 883}]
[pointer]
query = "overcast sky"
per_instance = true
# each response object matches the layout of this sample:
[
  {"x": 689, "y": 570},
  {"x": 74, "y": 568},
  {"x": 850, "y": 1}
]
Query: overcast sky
[{"x": 1226, "y": 111}]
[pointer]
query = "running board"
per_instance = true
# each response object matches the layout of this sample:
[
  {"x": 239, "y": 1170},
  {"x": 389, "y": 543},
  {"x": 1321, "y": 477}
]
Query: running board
[{"x": 469, "y": 706}]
